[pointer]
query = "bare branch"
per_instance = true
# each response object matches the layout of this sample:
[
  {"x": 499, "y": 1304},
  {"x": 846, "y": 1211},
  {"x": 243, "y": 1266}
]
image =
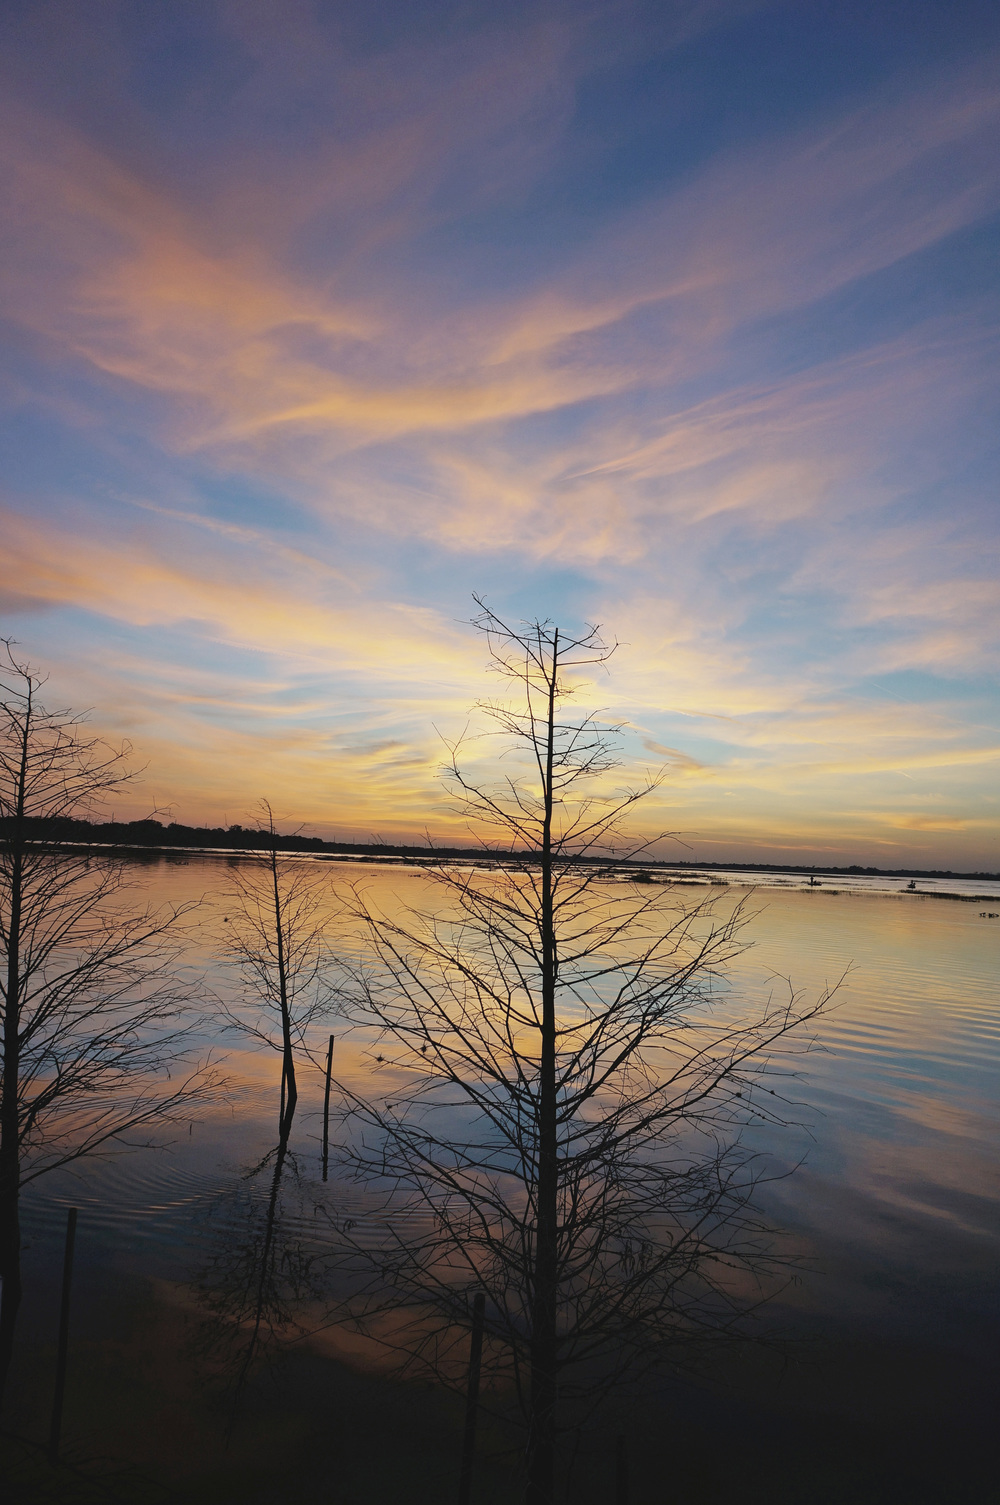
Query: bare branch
[
  {"x": 94, "y": 1021},
  {"x": 567, "y": 1078}
]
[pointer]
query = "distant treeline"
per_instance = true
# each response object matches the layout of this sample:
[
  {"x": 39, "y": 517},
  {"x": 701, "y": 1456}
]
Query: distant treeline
[{"x": 154, "y": 834}]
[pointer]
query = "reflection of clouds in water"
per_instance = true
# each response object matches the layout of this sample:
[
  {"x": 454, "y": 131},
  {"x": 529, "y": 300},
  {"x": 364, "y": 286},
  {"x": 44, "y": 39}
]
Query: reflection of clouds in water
[
  {"x": 901, "y": 1137},
  {"x": 899, "y": 1192}
]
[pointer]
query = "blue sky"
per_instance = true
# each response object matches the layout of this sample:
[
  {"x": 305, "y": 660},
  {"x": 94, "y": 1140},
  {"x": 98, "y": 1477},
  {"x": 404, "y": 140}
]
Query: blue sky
[{"x": 680, "y": 318}]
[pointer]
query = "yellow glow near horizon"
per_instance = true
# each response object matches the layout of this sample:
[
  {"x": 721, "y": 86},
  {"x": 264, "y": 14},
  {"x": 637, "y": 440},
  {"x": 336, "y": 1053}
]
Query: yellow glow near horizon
[{"x": 295, "y": 370}]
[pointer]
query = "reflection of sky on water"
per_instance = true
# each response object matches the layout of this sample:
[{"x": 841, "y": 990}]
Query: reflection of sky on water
[
  {"x": 987, "y": 889},
  {"x": 898, "y": 1199},
  {"x": 896, "y": 1205}
]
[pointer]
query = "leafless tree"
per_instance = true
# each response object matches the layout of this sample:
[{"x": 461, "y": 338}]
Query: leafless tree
[
  {"x": 567, "y": 1078},
  {"x": 93, "y": 1017},
  {"x": 275, "y": 937}
]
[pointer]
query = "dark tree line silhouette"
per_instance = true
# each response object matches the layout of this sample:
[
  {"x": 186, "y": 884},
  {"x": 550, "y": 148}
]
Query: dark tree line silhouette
[{"x": 152, "y": 833}]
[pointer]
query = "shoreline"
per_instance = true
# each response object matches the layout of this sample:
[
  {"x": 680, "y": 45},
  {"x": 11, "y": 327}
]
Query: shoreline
[{"x": 688, "y": 874}]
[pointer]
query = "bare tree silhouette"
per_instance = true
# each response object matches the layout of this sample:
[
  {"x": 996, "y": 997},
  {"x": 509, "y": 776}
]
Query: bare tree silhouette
[
  {"x": 93, "y": 1016},
  {"x": 567, "y": 1079},
  {"x": 275, "y": 937}
]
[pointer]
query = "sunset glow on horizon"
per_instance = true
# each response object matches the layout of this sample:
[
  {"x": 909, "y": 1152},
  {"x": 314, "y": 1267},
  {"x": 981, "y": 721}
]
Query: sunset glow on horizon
[{"x": 681, "y": 318}]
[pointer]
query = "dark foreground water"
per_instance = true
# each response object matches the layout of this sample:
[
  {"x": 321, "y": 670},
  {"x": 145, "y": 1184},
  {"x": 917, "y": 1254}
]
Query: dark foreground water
[{"x": 893, "y": 1212}]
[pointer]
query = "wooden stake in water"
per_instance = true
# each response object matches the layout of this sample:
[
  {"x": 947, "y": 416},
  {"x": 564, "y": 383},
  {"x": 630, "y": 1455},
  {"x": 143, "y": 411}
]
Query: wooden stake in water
[
  {"x": 326, "y": 1108},
  {"x": 621, "y": 1472},
  {"x": 472, "y": 1400},
  {"x": 67, "y": 1281}
]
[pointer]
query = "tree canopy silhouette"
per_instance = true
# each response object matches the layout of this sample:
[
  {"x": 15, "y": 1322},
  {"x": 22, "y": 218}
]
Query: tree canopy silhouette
[
  {"x": 93, "y": 1013},
  {"x": 566, "y": 1076}
]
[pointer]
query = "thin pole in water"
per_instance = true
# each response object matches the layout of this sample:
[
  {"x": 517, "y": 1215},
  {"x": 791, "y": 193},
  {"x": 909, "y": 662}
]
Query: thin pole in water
[
  {"x": 67, "y": 1281},
  {"x": 472, "y": 1399},
  {"x": 326, "y": 1108},
  {"x": 621, "y": 1471}
]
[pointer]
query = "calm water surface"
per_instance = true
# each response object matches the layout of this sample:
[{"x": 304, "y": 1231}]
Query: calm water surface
[{"x": 895, "y": 1202}]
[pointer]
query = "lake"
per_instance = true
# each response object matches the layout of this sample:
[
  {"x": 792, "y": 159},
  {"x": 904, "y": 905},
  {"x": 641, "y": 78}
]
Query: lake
[{"x": 893, "y": 1208}]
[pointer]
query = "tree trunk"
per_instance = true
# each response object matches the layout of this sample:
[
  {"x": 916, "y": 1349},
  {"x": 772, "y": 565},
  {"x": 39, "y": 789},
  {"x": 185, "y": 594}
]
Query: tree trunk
[
  {"x": 10, "y": 1177},
  {"x": 10, "y": 1126},
  {"x": 541, "y": 1435},
  {"x": 289, "y": 1091}
]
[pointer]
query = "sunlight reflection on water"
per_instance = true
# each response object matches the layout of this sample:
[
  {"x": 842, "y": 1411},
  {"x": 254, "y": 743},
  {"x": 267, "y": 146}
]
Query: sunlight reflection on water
[{"x": 895, "y": 1203}]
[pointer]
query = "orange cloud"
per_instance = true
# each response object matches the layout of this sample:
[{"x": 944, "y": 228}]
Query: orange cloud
[
  {"x": 934, "y": 823},
  {"x": 236, "y": 600},
  {"x": 357, "y": 382}
]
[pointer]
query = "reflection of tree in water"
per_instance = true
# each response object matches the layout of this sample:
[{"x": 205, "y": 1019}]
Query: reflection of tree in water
[
  {"x": 261, "y": 1271},
  {"x": 259, "y": 1275}
]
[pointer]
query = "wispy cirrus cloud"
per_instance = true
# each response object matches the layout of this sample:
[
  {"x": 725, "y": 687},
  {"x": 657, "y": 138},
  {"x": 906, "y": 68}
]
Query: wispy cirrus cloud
[
  {"x": 340, "y": 316},
  {"x": 241, "y": 600},
  {"x": 154, "y": 293}
]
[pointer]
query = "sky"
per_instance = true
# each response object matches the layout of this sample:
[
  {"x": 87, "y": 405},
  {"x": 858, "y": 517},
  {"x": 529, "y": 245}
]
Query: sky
[{"x": 681, "y": 318}]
